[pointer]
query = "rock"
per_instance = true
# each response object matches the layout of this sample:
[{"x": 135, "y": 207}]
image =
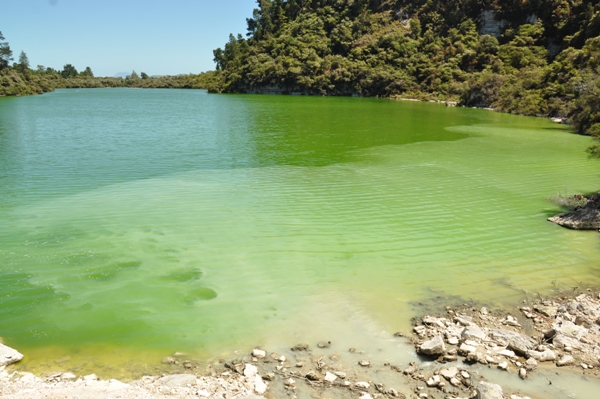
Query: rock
[
  {"x": 269, "y": 377},
  {"x": 330, "y": 377},
  {"x": 531, "y": 364},
  {"x": 420, "y": 330},
  {"x": 260, "y": 386},
  {"x": 503, "y": 366},
  {"x": 548, "y": 311},
  {"x": 313, "y": 376},
  {"x": 464, "y": 320},
  {"x": 392, "y": 392},
  {"x": 433, "y": 321},
  {"x": 586, "y": 217},
  {"x": 566, "y": 360},
  {"x": 68, "y": 377},
  {"x": 453, "y": 341},
  {"x": 323, "y": 344},
  {"x": 433, "y": 347},
  {"x": 522, "y": 373},
  {"x": 545, "y": 356},
  {"x": 486, "y": 390},
  {"x": 455, "y": 382},
  {"x": 340, "y": 374},
  {"x": 465, "y": 374},
  {"x": 507, "y": 353},
  {"x": 281, "y": 359},
  {"x": 561, "y": 341},
  {"x": 117, "y": 385},
  {"x": 169, "y": 360},
  {"x": 9, "y": 355},
  {"x": 362, "y": 385},
  {"x": 449, "y": 373},
  {"x": 364, "y": 363},
  {"x": 203, "y": 394},
  {"x": 290, "y": 384},
  {"x": 366, "y": 396},
  {"x": 259, "y": 353},
  {"x": 250, "y": 371},
  {"x": 466, "y": 349},
  {"x": 473, "y": 333},
  {"x": 433, "y": 381},
  {"x": 300, "y": 347},
  {"x": 177, "y": 380},
  {"x": 569, "y": 329},
  {"x": 334, "y": 357},
  {"x": 519, "y": 343}
]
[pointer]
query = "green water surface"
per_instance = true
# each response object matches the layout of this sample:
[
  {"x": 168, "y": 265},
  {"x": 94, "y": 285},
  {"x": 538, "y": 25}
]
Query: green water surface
[{"x": 148, "y": 221}]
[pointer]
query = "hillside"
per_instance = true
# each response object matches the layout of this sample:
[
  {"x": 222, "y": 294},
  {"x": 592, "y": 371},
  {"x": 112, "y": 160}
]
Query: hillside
[{"x": 536, "y": 57}]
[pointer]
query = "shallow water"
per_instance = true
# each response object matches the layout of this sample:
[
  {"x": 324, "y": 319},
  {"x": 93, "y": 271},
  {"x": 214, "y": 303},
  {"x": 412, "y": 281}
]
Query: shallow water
[{"x": 134, "y": 223}]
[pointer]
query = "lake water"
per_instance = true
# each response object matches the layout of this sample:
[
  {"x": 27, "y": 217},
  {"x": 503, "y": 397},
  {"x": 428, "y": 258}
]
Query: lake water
[{"x": 136, "y": 223}]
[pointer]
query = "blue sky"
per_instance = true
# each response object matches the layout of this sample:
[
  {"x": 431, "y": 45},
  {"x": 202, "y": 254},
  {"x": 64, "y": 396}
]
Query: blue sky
[{"x": 159, "y": 37}]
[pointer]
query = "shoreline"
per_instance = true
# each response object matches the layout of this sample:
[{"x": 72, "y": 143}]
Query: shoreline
[{"x": 461, "y": 351}]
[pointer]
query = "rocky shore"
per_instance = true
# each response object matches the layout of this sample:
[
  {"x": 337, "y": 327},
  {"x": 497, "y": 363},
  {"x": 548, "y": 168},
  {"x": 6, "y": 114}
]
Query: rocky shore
[
  {"x": 561, "y": 334},
  {"x": 584, "y": 216}
]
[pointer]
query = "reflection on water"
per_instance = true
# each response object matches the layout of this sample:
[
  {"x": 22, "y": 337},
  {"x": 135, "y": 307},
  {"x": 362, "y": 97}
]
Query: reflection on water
[{"x": 149, "y": 221}]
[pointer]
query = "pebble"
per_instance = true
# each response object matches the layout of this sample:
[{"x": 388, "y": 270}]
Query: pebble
[
  {"x": 364, "y": 363},
  {"x": 523, "y": 373},
  {"x": 503, "y": 365},
  {"x": 362, "y": 385},
  {"x": 566, "y": 360},
  {"x": 340, "y": 374},
  {"x": 259, "y": 353},
  {"x": 334, "y": 357},
  {"x": 330, "y": 377},
  {"x": 281, "y": 359},
  {"x": 324, "y": 344}
]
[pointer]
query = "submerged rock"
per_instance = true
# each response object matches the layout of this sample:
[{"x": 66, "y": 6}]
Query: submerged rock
[{"x": 486, "y": 390}]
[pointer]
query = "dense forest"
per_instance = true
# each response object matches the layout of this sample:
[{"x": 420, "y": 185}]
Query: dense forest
[
  {"x": 19, "y": 78},
  {"x": 532, "y": 57}
]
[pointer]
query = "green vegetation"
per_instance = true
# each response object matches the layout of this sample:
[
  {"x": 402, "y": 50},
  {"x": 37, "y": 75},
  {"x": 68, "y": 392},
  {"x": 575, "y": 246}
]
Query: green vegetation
[
  {"x": 19, "y": 79},
  {"x": 532, "y": 57}
]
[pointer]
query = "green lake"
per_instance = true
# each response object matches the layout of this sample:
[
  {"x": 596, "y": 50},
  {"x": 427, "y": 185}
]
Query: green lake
[{"x": 137, "y": 223}]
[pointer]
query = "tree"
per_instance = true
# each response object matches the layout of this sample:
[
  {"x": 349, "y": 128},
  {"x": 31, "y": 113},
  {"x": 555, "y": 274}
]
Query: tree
[
  {"x": 87, "y": 72},
  {"x": 133, "y": 75},
  {"x": 23, "y": 65},
  {"x": 144, "y": 75},
  {"x": 5, "y": 53},
  {"x": 69, "y": 71},
  {"x": 41, "y": 69}
]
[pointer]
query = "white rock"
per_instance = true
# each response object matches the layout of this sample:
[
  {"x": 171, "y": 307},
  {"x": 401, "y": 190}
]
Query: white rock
[
  {"x": 362, "y": 385},
  {"x": 507, "y": 353},
  {"x": 464, "y": 348},
  {"x": 455, "y": 381},
  {"x": 433, "y": 381},
  {"x": 453, "y": 341},
  {"x": 281, "y": 359},
  {"x": 340, "y": 374},
  {"x": 433, "y": 347},
  {"x": 523, "y": 373},
  {"x": 465, "y": 374},
  {"x": 330, "y": 377},
  {"x": 486, "y": 390},
  {"x": 91, "y": 377},
  {"x": 366, "y": 396},
  {"x": 503, "y": 365},
  {"x": 250, "y": 371},
  {"x": 203, "y": 394},
  {"x": 259, "y": 353},
  {"x": 569, "y": 329},
  {"x": 260, "y": 386},
  {"x": 545, "y": 356},
  {"x": 68, "y": 377},
  {"x": 449, "y": 373},
  {"x": 9, "y": 355},
  {"x": 473, "y": 333},
  {"x": 118, "y": 385},
  {"x": 566, "y": 360}
]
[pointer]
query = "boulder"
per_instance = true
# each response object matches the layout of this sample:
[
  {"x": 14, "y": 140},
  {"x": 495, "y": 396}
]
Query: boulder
[
  {"x": 569, "y": 329},
  {"x": 545, "y": 356},
  {"x": 486, "y": 390},
  {"x": 566, "y": 360},
  {"x": 519, "y": 343},
  {"x": 548, "y": 311},
  {"x": 9, "y": 356},
  {"x": 473, "y": 333},
  {"x": 433, "y": 347}
]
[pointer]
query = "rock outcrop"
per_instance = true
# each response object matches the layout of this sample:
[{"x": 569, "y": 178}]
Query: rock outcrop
[{"x": 586, "y": 217}]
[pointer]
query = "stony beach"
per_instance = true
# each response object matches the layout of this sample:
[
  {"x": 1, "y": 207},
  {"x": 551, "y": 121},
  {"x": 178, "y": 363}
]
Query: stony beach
[{"x": 559, "y": 334}]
